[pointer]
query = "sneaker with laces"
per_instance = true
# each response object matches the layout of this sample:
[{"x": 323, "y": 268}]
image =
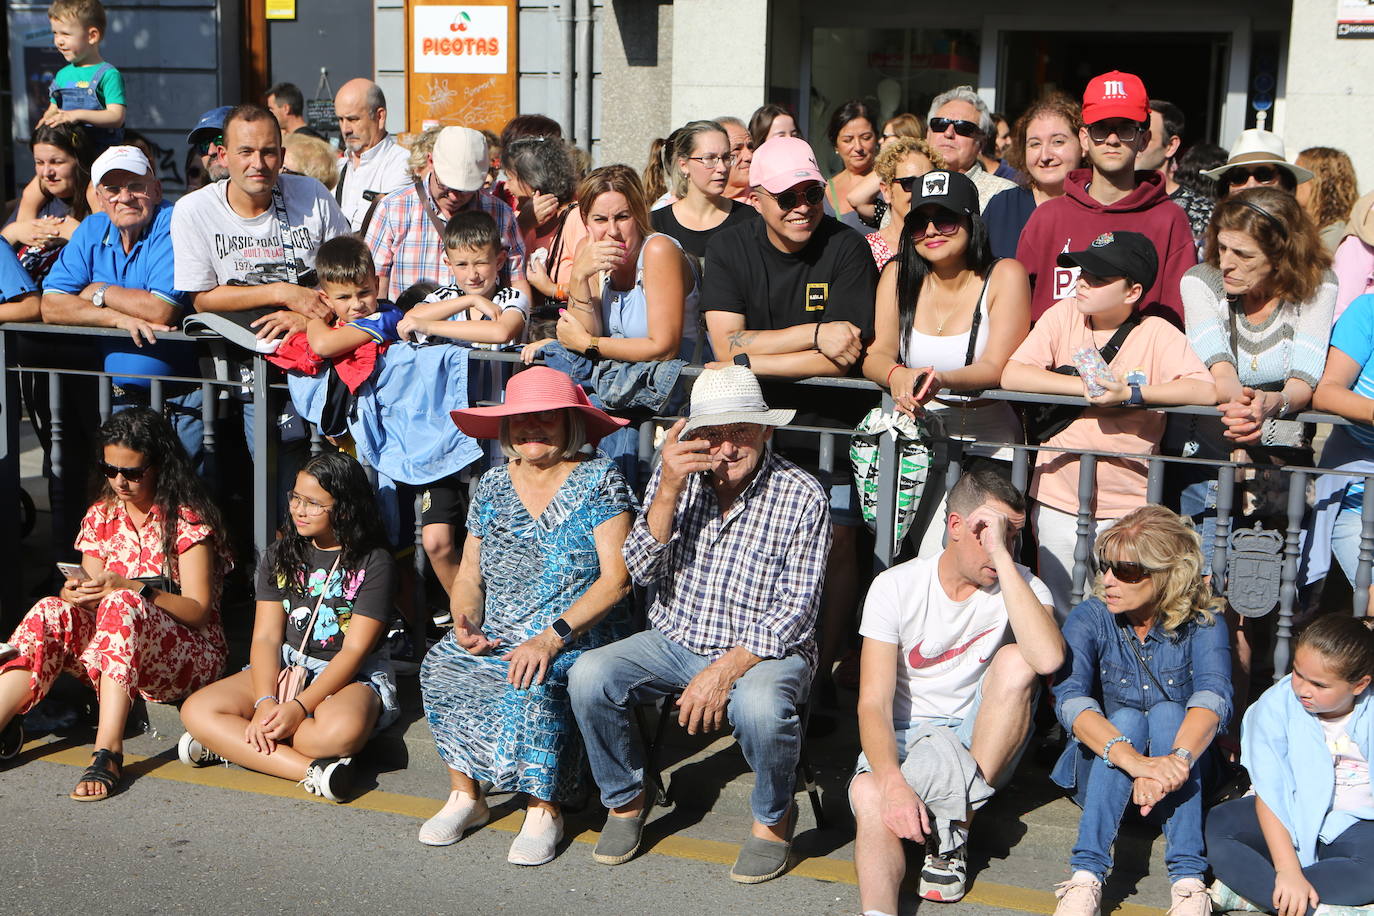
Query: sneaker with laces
[
  {"x": 1225, "y": 900},
  {"x": 1081, "y": 895},
  {"x": 1188, "y": 897},
  {"x": 12, "y": 738},
  {"x": 194, "y": 754},
  {"x": 944, "y": 878},
  {"x": 329, "y": 777}
]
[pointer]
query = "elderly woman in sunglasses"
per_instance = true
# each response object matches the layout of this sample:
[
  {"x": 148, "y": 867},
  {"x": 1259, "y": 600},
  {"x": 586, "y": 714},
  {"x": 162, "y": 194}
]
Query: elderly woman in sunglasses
[
  {"x": 139, "y": 614},
  {"x": 1146, "y": 687},
  {"x": 900, "y": 163}
]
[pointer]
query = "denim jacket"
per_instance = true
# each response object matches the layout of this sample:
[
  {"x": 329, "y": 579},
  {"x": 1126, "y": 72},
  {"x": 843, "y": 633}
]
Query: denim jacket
[{"x": 1104, "y": 674}]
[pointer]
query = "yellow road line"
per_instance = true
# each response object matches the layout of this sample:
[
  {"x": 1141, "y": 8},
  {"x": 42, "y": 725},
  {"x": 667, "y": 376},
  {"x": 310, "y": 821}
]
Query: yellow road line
[{"x": 837, "y": 871}]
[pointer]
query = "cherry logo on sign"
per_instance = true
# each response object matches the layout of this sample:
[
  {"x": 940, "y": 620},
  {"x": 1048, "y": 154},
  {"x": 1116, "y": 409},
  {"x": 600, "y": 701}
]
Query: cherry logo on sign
[
  {"x": 460, "y": 22},
  {"x": 916, "y": 660}
]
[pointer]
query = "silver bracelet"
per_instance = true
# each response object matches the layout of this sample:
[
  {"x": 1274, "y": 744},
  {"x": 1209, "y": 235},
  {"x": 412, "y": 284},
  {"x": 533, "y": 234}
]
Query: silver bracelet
[
  {"x": 1107, "y": 749},
  {"x": 262, "y": 700}
]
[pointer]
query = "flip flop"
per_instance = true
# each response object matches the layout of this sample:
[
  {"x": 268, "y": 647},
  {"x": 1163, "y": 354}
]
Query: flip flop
[{"x": 99, "y": 772}]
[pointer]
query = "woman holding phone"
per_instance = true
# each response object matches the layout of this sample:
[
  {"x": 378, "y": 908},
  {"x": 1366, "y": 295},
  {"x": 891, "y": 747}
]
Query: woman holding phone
[{"x": 140, "y": 617}]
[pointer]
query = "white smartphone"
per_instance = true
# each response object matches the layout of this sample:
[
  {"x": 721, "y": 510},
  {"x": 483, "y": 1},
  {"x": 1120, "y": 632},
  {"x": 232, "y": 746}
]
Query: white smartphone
[{"x": 73, "y": 571}]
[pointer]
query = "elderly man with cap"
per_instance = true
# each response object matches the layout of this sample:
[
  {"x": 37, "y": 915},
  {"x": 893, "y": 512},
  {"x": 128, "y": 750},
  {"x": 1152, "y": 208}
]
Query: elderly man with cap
[
  {"x": 794, "y": 291},
  {"x": 406, "y": 234},
  {"x": 733, "y": 542},
  {"x": 1111, "y": 195},
  {"x": 1257, "y": 161},
  {"x": 207, "y": 139},
  {"x": 376, "y": 164},
  {"x": 117, "y": 272}
]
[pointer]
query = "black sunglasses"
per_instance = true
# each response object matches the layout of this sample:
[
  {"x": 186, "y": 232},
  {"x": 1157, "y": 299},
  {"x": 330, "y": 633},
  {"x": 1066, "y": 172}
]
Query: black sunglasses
[
  {"x": 133, "y": 475},
  {"x": 1264, "y": 175},
  {"x": 945, "y": 223},
  {"x": 790, "y": 200},
  {"x": 961, "y": 127},
  {"x": 1129, "y": 573}
]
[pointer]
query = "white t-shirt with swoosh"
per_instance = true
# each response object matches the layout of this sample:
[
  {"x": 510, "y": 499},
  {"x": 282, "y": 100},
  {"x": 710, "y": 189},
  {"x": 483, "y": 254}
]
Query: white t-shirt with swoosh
[{"x": 944, "y": 645}]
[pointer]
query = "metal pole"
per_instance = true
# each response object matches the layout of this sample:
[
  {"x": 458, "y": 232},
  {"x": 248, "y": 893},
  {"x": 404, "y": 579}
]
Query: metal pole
[
  {"x": 11, "y": 586},
  {"x": 885, "y": 524},
  {"x": 1288, "y": 584},
  {"x": 1087, "y": 527},
  {"x": 1362, "y": 572},
  {"x": 1226, "y": 491}
]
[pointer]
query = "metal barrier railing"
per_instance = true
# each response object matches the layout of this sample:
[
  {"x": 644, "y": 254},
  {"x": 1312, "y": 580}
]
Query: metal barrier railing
[{"x": 830, "y": 443}]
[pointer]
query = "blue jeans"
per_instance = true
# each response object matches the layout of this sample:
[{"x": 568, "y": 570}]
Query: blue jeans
[
  {"x": 182, "y": 411},
  {"x": 1343, "y": 874},
  {"x": 1106, "y": 792},
  {"x": 605, "y": 683}
]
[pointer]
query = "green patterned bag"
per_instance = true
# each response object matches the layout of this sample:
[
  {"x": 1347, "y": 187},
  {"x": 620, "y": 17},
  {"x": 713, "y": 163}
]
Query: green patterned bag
[{"x": 915, "y": 451}]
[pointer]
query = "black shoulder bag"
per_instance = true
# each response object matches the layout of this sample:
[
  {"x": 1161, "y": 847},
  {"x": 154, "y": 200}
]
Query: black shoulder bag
[{"x": 1045, "y": 421}]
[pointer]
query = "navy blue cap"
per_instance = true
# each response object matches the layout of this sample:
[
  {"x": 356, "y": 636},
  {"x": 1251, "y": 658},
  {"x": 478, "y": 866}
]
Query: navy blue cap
[{"x": 210, "y": 125}]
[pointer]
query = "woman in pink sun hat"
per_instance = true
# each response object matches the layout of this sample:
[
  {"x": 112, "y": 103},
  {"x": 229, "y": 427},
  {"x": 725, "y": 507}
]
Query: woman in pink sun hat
[{"x": 542, "y": 580}]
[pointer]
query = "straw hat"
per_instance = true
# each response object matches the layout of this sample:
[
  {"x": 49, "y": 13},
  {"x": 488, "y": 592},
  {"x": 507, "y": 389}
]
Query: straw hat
[
  {"x": 532, "y": 391},
  {"x": 1362, "y": 220},
  {"x": 731, "y": 395},
  {"x": 1259, "y": 147}
]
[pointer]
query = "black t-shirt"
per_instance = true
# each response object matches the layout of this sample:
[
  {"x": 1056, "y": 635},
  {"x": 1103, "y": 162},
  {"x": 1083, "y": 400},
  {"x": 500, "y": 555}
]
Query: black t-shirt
[
  {"x": 832, "y": 279},
  {"x": 694, "y": 241},
  {"x": 366, "y": 591}
]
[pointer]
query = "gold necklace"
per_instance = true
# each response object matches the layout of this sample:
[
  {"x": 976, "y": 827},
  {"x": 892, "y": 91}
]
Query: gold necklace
[{"x": 940, "y": 327}]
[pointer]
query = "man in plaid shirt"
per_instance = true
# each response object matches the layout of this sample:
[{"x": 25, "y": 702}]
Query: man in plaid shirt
[
  {"x": 734, "y": 541},
  {"x": 406, "y": 235}
]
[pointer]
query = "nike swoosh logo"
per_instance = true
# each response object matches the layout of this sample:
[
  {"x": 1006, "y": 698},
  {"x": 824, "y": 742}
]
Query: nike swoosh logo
[{"x": 917, "y": 660}]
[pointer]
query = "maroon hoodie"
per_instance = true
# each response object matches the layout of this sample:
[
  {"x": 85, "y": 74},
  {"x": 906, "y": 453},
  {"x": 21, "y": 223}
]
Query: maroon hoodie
[{"x": 1072, "y": 222}]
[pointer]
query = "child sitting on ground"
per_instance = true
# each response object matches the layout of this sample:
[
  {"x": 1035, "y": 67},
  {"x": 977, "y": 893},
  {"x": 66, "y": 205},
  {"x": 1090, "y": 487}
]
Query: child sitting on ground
[
  {"x": 1303, "y": 841},
  {"x": 88, "y": 90},
  {"x": 1149, "y": 363},
  {"x": 475, "y": 255}
]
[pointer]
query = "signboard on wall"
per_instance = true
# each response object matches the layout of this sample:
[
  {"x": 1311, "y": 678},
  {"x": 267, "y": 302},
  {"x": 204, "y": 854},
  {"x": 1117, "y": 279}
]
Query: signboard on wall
[
  {"x": 461, "y": 64},
  {"x": 1355, "y": 18}
]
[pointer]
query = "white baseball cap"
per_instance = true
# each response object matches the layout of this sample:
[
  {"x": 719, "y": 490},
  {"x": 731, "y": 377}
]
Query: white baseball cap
[
  {"x": 120, "y": 159},
  {"x": 461, "y": 159}
]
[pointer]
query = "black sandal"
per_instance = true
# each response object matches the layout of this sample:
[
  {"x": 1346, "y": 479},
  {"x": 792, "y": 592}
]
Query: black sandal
[
  {"x": 99, "y": 772},
  {"x": 12, "y": 738}
]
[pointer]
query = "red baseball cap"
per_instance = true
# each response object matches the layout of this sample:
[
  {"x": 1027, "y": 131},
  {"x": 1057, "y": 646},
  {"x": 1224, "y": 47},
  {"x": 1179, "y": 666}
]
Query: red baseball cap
[{"x": 1115, "y": 95}]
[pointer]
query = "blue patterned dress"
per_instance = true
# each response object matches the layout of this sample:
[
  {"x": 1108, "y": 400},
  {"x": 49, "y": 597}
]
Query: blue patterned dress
[{"x": 533, "y": 570}]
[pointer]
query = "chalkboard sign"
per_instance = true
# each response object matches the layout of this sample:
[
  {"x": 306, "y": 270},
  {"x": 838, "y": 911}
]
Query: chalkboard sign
[{"x": 320, "y": 114}]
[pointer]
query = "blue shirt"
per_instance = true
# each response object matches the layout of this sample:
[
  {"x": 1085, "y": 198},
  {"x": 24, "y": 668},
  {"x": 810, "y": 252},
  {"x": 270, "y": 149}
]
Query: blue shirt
[
  {"x": 1353, "y": 335},
  {"x": 95, "y": 254},
  {"x": 381, "y": 324},
  {"x": 14, "y": 279}
]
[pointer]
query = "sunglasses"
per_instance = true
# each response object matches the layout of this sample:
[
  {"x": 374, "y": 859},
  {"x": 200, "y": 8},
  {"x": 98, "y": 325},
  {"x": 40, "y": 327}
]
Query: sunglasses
[
  {"x": 1129, "y": 573},
  {"x": 944, "y": 223},
  {"x": 791, "y": 200},
  {"x": 133, "y": 475},
  {"x": 1263, "y": 175},
  {"x": 1126, "y": 133},
  {"x": 961, "y": 127}
]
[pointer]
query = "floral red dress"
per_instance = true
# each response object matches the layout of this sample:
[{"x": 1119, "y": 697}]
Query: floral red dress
[{"x": 126, "y": 636}]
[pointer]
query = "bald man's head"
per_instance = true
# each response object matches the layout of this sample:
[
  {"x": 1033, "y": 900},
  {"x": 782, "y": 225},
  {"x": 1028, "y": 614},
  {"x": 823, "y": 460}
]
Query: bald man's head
[{"x": 361, "y": 108}]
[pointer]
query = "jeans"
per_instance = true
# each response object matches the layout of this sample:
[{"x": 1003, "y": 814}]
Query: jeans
[
  {"x": 1343, "y": 874},
  {"x": 1105, "y": 793},
  {"x": 605, "y": 683},
  {"x": 183, "y": 412},
  {"x": 1345, "y": 541}
]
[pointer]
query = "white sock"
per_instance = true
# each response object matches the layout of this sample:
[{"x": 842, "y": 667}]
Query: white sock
[{"x": 1085, "y": 876}]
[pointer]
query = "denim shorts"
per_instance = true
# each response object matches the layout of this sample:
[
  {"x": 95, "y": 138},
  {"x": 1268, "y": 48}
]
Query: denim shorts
[{"x": 375, "y": 671}]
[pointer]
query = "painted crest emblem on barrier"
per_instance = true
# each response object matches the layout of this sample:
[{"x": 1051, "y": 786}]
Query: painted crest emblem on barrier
[{"x": 1254, "y": 568}]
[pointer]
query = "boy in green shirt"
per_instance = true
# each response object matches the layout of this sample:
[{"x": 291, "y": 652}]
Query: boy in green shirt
[{"x": 88, "y": 90}]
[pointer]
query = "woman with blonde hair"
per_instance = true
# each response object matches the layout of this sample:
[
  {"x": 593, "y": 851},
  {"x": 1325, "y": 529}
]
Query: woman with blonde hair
[
  {"x": 696, "y": 161},
  {"x": 899, "y": 164},
  {"x": 1146, "y": 687},
  {"x": 1330, "y": 195},
  {"x": 306, "y": 155}
]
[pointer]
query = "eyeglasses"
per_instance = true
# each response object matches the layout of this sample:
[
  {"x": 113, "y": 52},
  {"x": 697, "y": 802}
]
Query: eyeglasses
[
  {"x": 887, "y": 137},
  {"x": 441, "y": 190},
  {"x": 1129, "y": 573},
  {"x": 111, "y": 471},
  {"x": 1265, "y": 174},
  {"x": 944, "y": 223},
  {"x": 714, "y": 162},
  {"x": 961, "y": 127},
  {"x": 136, "y": 188},
  {"x": 792, "y": 199},
  {"x": 308, "y": 507},
  {"x": 1126, "y": 133}
]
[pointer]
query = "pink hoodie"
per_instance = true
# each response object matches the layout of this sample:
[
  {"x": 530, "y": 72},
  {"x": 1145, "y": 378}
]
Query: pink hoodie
[{"x": 1072, "y": 222}]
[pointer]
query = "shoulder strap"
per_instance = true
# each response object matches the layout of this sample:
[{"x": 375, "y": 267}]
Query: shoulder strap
[
  {"x": 338, "y": 185},
  {"x": 367, "y": 217},
  {"x": 1122, "y": 332},
  {"x": 288, "y": 248},
  {"x": 310, "y": 624},
  {"x": 99, "y": 72},
  {"x": 978, "y": 316},
  {"x": 429, "y": 207}
]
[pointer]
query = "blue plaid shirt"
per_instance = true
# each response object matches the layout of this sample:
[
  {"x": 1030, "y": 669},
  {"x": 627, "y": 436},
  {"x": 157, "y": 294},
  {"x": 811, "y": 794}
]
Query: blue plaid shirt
[{"x": 750, "y": 578}]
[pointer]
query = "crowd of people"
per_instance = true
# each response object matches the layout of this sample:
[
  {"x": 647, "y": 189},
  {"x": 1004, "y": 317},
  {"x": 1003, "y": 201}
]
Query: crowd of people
[{"x": 1078, "y": 249}]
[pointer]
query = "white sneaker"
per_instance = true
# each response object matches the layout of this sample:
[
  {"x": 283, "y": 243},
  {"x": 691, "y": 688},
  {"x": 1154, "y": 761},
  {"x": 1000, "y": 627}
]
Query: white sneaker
[
  {"x": 537, "y": 842},
  {"x": 1188, "y": 897},
  {"x": 194, "y": 754},
  {"x": 460, "y": 814},
  {"x": 1081, "y": 895},
  {"x": 330, "y": 777}
]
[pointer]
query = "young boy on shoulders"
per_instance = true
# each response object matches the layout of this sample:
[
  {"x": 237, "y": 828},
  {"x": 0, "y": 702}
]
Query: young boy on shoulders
[
  {"x": 472, "y": 310},
  {"x": 1151, "y": 364},
  {"x": 88, "y": 90}
]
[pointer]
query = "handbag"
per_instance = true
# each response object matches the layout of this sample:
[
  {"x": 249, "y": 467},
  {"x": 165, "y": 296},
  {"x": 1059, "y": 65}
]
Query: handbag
[
  {"x": 1045, "y": 421},
  {"x": 291, "y": 679}
]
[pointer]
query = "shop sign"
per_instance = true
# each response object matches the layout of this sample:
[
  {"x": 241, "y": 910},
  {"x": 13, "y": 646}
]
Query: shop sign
[
  {"x": 460, "y": 39},
  {"x": 1355, "y": 18}
]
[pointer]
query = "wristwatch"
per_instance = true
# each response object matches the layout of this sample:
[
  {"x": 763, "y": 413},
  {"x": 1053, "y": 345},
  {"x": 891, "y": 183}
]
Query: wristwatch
[
  {"x": 593, "y": 351},
  {"x": 1137, "y": 399},
  {"x": 1182, "y": 753},
  {"x": 562, "y": 630},
  {"x": 98, "y": 297}
]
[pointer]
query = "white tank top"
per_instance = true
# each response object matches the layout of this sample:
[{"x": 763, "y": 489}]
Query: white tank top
[{"x": 947, "y": 351}]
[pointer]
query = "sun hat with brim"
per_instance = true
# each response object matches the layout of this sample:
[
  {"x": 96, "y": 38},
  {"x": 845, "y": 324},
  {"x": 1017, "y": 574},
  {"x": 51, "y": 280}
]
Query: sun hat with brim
[
  {"x": 1259, "y": 147},
  {"x": 722, "y": 397},
  {"x": 1362, "y": 220},
  {"x": 532, "y": 391}
]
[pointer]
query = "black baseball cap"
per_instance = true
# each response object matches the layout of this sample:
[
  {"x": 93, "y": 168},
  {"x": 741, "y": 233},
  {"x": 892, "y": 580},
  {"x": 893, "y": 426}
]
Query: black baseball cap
[
  {"x": 954, "y": 191},
  {"x": 1117, "y": 254}
]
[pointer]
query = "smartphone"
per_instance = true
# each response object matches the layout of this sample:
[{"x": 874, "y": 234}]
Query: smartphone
[
  {"x": 73, "y": 571},
  {"x": 1093, "y": 369}
]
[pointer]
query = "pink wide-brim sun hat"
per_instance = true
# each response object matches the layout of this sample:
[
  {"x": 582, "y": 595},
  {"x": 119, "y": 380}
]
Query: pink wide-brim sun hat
[{"x": 537, "y": 389}]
